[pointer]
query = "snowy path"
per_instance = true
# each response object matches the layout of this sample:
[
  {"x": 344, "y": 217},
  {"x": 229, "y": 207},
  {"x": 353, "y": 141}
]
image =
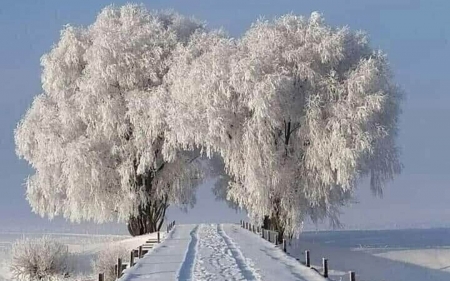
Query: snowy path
[
  {"x": 272, "y": 263},
  {"x": 163, "y": 262},
  {"x": 209, "y": 252},
  {"x": 218, "y": 258}
]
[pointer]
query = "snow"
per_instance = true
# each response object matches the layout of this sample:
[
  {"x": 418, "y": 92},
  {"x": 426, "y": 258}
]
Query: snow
[
  {"x": 83, "y": 247},
  {"x": 228, "y": 252},
  {"x": 438, "y": 258},
  {"x": 166, "y": 258},
  {"x": 217, "y": 252},
  {"x": 404, "y": 255},
  {"x": 272, "y": 262}
]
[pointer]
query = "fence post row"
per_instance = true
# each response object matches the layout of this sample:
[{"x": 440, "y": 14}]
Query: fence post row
[{"x": 272, "y": 236}]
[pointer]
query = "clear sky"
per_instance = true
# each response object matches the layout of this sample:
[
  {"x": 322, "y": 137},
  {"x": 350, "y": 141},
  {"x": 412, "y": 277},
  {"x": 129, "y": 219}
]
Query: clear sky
[{"x": 415, "y": 35}]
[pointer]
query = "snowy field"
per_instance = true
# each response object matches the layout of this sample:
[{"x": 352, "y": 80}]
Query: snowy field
[
  {"x": 228, "y": 252},
  {"x": 84, "y": 248},
  {"x": 403, "y": 255}
]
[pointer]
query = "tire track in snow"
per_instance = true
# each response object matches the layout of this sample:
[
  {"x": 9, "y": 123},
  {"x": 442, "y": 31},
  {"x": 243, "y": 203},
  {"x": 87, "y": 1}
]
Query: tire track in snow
[
  {"x": 186, "y": 269},
  {"x": 216, "y": 260},
  {"x": 245, "y": 265}
]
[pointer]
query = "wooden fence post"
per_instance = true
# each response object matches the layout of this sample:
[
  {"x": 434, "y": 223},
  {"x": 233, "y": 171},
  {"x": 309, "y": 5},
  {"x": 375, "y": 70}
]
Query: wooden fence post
[
  {"x": 140, "y": 252},
  {"x": 119, "y": 267},
  {"x": 132, "y": 258},
  {"x": 101, "y": 277},
  {"x": 284, "y": 245},
  {"x": 325, "y": 267},
  {"x": 276, "y": 239},
  {"x": 352, "y": 276},
  {"x": 159, "y": 239},
  {"x": 307, "y": 259}
]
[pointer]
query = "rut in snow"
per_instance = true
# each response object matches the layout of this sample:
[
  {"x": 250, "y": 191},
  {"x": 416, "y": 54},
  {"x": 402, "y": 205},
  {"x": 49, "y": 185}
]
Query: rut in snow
[
  {"x": 218, "y": 258},
  {"x": 185, "y": 272}
]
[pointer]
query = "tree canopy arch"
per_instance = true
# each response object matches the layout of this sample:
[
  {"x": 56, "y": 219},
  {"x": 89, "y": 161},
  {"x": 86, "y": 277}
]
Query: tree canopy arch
[{"x": 297, "y": 110}]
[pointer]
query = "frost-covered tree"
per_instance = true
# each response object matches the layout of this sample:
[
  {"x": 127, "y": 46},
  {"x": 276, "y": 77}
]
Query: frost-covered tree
[
  {"x": 298, "y": 110},
  {"x": 95, "y": 136}
]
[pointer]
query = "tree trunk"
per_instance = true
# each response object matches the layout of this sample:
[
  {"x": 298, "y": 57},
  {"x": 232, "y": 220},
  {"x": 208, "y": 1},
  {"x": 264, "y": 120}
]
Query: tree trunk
[
  {"x": 151, "y": 216},
  {"x": 149, "y": 219},
  {"x": 274, "y": 222}
]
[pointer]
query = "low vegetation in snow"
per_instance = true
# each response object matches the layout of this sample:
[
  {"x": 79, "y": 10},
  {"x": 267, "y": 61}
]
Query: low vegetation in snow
[
  {"x": 39, "y": 259},
  {"x": 107, "y": 258}
]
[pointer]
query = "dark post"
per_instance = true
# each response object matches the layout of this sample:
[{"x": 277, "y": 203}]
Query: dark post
[
  {"x": 325, "y": 267},
  {"x": 262, "y": 233},
  {"x": 352, "y": 276},
  {"x": 101, "y": 277},
  {"x": 284, "y": 245},
  {"x": 119, "y": 267},
  {"x": 132, "y": 258},
  {"x": 115, "y": 269},
  {"x": 159, "y": 239},
  {"x": 307, "y": 259},
  {"x": 276, "y": 239},
  {"x": 140, "y": 252}
]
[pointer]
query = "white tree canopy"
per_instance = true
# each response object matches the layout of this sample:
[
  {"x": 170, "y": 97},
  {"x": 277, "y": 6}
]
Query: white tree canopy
[
  {"x": 100, "y": 122},
  {"x": 298, "y": 110}
]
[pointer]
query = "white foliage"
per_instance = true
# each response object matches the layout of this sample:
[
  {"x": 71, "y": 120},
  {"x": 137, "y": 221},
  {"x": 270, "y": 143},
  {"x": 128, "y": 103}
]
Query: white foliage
[
  {"x": 100, "y": 122},
  {"x": 39, "y": 259},
  {"x": 298, "y": 110}
]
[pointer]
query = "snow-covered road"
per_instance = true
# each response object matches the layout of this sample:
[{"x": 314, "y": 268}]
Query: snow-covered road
[{"x": 217, "y": 252}]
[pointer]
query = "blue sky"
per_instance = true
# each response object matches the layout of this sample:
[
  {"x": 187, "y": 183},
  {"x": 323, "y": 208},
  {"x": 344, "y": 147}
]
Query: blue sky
[{"x": 415, "y": 35}]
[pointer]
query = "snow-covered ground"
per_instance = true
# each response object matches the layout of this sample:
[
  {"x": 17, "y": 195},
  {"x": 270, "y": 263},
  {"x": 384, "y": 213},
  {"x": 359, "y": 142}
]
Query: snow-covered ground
[
  {"x": 83, "y": 247},
  {"x": 228, "y": 252},
  {"x": 217, "y": 252}
]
